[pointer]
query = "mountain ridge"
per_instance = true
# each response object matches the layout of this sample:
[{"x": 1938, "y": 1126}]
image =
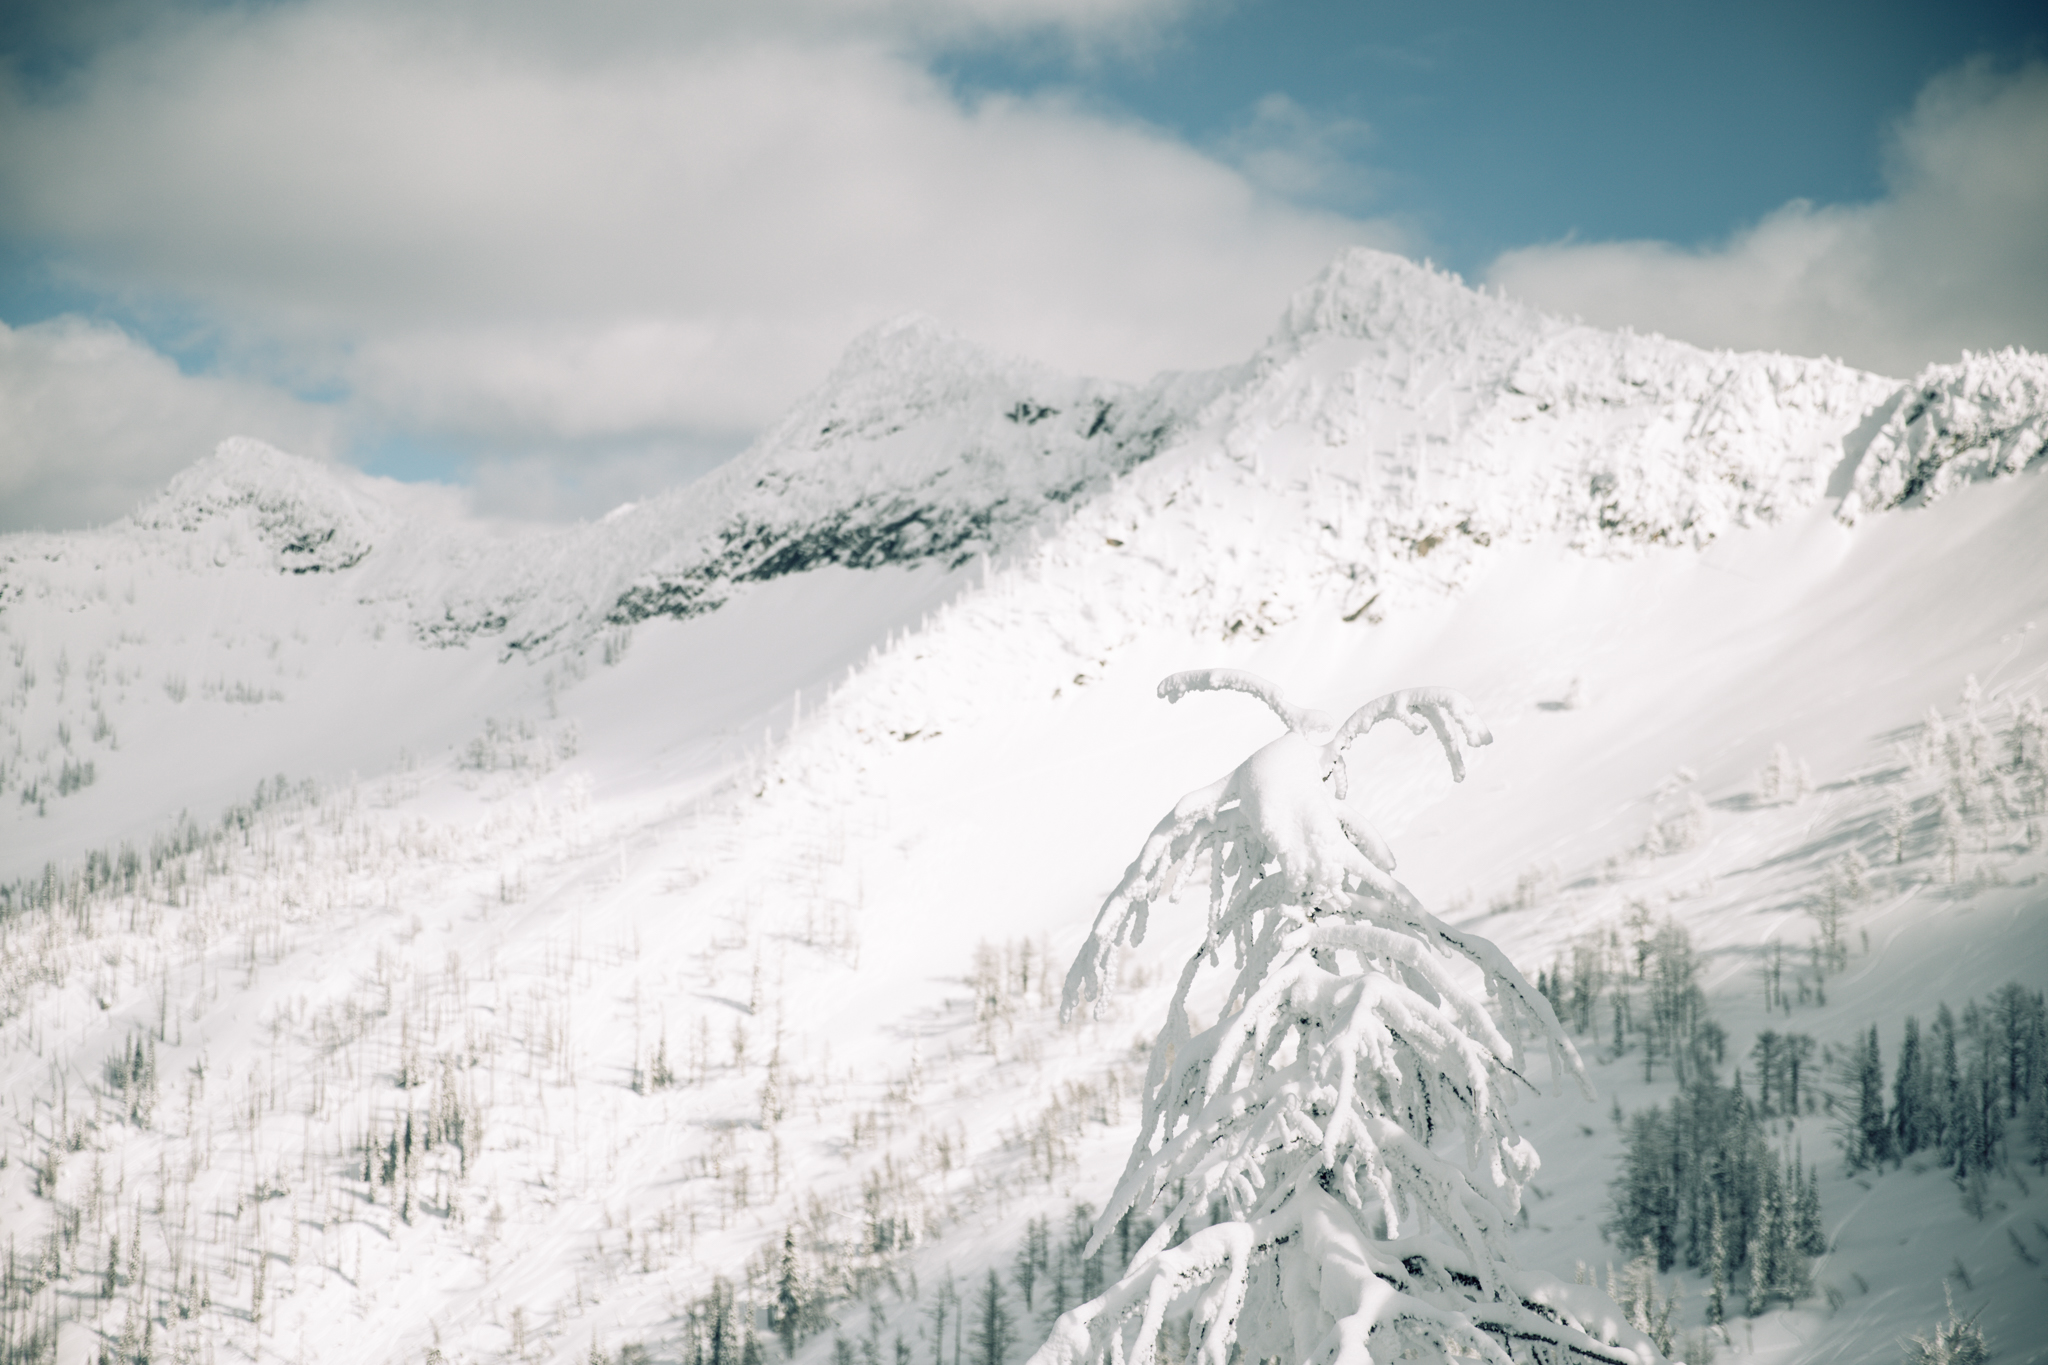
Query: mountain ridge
[
  {"x": 1478, "y": 417},
  {"x": 1397, "y": 432}
]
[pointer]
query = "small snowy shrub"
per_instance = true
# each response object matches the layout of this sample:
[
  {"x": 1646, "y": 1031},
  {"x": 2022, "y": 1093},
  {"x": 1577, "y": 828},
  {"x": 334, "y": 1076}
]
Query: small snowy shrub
[
  {"x": 1331, "y": 1163},
  {"x": 1679, "y": 816},
  {"x": 1958, "y": 1341},
  {"x": 1635, "y": 1290},
  {"x": 1783, "y": 779}
]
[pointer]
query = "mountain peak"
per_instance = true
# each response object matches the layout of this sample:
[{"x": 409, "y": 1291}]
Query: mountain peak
[
  {"x": 1373, "y": 295},
  {"x": 301, "y": 508},
  {"x": 897, "y": 371}
]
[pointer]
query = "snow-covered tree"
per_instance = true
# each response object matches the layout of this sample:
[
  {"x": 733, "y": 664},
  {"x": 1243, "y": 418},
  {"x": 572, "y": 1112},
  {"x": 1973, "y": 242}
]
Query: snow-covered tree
[
  {"x": 1783, "y": 778},
  {"x": 1956, "y": 1340},
  {"x": 1331, "y": 1163}
]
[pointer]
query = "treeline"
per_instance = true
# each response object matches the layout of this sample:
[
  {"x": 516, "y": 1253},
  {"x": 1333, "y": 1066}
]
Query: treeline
[
  {"x": 787, "y": 1297},
  {"x": 161, "y": 871},
  {"x": 1957, "y": 1089}
]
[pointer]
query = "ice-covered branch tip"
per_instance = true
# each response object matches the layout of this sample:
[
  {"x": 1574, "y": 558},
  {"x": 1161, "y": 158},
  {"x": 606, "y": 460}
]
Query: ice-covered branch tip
[
  {"x": 1418, "y": 708},
  {"x": 1300, "y": 719}
]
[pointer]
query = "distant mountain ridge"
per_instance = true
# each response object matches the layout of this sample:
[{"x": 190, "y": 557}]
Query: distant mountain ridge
[{"x": 1458, "y": 417}]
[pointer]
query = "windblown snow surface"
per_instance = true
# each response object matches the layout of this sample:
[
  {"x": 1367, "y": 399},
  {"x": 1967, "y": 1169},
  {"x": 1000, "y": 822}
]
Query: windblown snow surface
[{"x": 713, "y": 866}]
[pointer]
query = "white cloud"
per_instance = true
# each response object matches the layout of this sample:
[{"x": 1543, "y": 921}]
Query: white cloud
[
  {"x": 659, "y": 224},
  {"x": 1295, "y": 153},
  {"x": 1954, "y": 256},
  {"x": 92, "y": 421}
]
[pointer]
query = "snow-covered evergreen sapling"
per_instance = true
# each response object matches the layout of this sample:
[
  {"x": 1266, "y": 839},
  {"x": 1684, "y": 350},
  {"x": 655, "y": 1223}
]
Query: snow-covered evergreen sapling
[{"x": 1361, "y": 1037}]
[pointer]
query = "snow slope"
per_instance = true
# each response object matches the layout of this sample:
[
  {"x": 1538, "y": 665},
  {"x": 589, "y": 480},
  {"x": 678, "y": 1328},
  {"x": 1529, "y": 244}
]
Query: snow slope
[{"x": 807, "y": 778}]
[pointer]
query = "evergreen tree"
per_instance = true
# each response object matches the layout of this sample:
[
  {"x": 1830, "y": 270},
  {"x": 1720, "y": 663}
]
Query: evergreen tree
[
  {"x": 1032, "y": 1257},
  {"x": 1320, "y": 1106},
  {"x": 1647, "y": 1211},
  {"x": 1978, "y": 1124},
  {"x": 2037, "y": 1125},
  {"x": 1909, "y": 1094},
  {"x": 1872, "y": 1139},
  {"x": 994, "y": 1330},
  {"x": 712, "y": 1328},
  {"x": 2017, "y": 1013},
  {"x": 1948, "y": 1083},
  {"x": 1982, "y": 1121},
  {"x": 1717, "y": 1300},
  {"x": 1764, "y": 1052},
  {"x": 1796, "y": 1052},
  {"x": 942, "y": 1306},
  {"x": 1057, "y": 1297},
  {"x": 1080, "y": 1230},
  {"x": 1812, "y": 1235},
  {"x": 1771, "y": 1240},
  {"x": 789, "y": 1296}
]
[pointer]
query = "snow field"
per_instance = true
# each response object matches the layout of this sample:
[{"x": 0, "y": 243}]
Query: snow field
[{"x": 791, "y": 851}]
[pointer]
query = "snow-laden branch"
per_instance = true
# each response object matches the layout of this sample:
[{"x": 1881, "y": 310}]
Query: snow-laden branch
[
  {"x": 1418, "y": 708},
  {"x": 1348, "y": 1110},
  {"x": 1300, "y": 719}
]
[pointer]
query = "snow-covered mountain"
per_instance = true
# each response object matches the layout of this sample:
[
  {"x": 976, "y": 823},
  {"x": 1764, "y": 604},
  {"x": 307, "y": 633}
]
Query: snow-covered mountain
[{"x": 697, "y": 875}]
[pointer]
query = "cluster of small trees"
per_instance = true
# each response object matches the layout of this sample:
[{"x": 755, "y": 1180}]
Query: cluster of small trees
[
  {"x": 161, "y": 873},
  {"x": 1782, "y": 1062},
  {"x": 1701, "y": 1184},
  {"x": 1644, "y": 986},
  {"x": 1957, "y": 1089},
  {"x": 1051, "y": 1270},
  {"x": 518, "y": 745},
  {"x": 150, "y": 930},
  {"x": 1008, "y": 980},
  {"x": 452, "y": 1119},
  {"x": 1647, "y": 983},
  {"x": 28, "y": 1317},
  {"x": 131, "y": 1076},
  {"x": 1983, "y": 787},
  {"x": 36, "y": 779},
  {"x": 1055, "y": 1273},
  {"x": 718, "y": 1330},
  {"x": 1783, "y": 779}
]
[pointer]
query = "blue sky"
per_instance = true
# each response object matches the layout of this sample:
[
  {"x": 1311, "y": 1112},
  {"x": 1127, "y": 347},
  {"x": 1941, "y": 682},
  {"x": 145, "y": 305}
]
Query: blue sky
[
  {"x": 572, "y": 255},
  {"x": 1497, "y": 123}
]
